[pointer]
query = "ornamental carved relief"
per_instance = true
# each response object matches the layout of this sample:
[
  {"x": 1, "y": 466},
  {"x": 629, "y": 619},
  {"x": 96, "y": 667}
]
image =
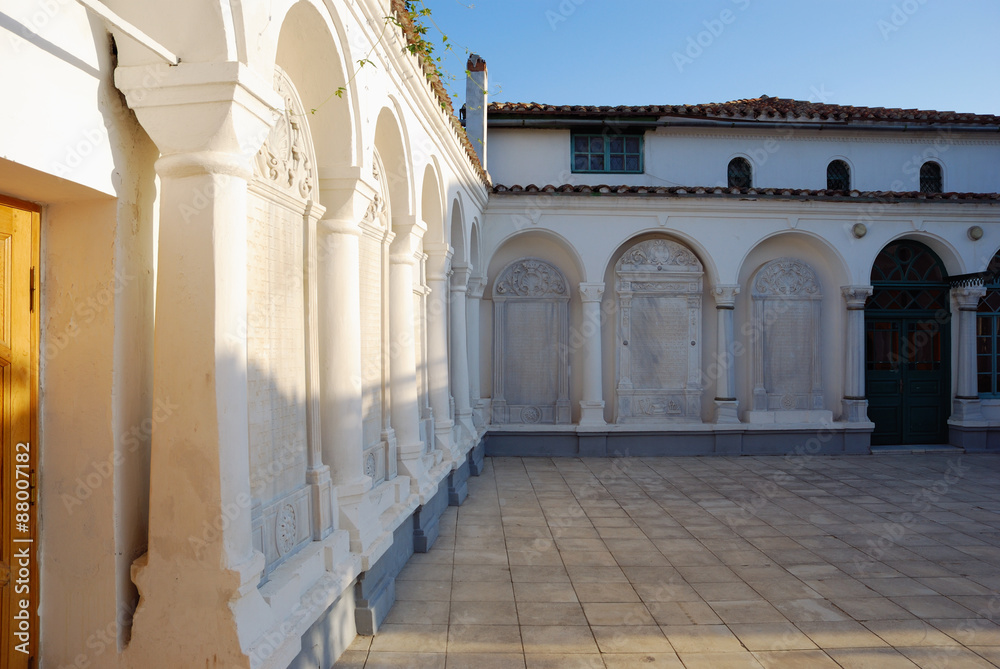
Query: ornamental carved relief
[
  {"x": 786, "y": 277},
  {"x": 657, "y": 254},
  {"x": 531, "y": 277},
  {"x": 286, "y": 160}
]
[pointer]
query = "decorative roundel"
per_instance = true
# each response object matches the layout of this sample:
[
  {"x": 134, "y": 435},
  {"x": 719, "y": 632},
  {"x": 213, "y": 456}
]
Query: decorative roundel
[
  {"x": 531, "y": 415},
  {"x": 788, "y": 402},
  {"x": 285, "y": 532},
  {"x": 370, "y": 465}
]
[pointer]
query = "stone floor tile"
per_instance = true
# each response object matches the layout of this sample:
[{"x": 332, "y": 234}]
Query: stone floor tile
[
  {"x": 683, "y": 613},
  {"x": 649, "y": 574},
  {"x": 426, "y": 571},
  {"x": 550, "y": 613},
  {"x": 418, "y": 612},
  {"x": 485, "y": 661},
  {"x": 971, "y": 631},
  {"x": 702, "y": 639},
  {"x": 948, "y": 657},
  {"x": 643, "y": 660},
  {"x": 486, "y": 591},
  {"x": 784, "y": 588},
  {"x": 898, "y": 587},
  {"x": 397, "y": 638},
  {"x": 796, "y": 659},
  {"x": 495, "y": 557},
  {"x": 589, "y": 558},
  {"x": 566, "y": 544},
  {"x": 562, "y": 661},
  {"x": 742, "y": 659},
  {"x": 772, "y": 636},
  {"x": 933, "y": 607},
  {"x": 549, "y": 558},
  {"x": 673, "y": 590},
  {"x": 708, "y": 574},
  {"x": 588, "y": 574},
  {"x": 747, "y": 611},
  {"x": 808, "y": 610},
  {"x": 725, "y": 592},
  {"x": 480, "y": 573},
  {"x": 484, "y": 639},
  {"x": 362, "y": 643},
  {"x": 909, "y": 632},
  {"x": 605, "y": 613},
  {"x": 631, "y": 639},
  {"x": 640, "y": 559},
  {"x": 870, "y": 658},
  {"x": 842, "y": 634},
  {"x": 483, "y": 613},
  {"x": 544, "y": 592},
  {"x": 423, "y": 590},
  {"x": 990, "y": 653},
  {"x": 870, "y": 608},
  {"x": 564, "y": 639},
  {"x": 538, "y": 574},
  {"x": 405, "y": 660},
  {"x": 605, "y": 592}
]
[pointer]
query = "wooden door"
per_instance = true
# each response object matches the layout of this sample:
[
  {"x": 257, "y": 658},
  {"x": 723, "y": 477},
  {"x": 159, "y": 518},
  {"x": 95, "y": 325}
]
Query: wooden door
[{"x": 18, "y": 416}]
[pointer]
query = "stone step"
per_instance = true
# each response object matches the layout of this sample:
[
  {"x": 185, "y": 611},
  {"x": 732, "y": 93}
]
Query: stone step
[{"x": 905, "y": 449}]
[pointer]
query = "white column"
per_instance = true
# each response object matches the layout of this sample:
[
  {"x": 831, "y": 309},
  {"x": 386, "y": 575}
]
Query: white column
[
  {"x": 477, "y": 285},
  {"x": 207, "y": 121},
  {"x": 404, "y": 402},
  {"x": 592, "y": 404},
  {"x": 438, "y": 260},
  {"x": 460, "y": 357},
  {"x": 726, "y": 404},
  {"x": 855, "y": 406},
  {"x": 967, "y": 407}
]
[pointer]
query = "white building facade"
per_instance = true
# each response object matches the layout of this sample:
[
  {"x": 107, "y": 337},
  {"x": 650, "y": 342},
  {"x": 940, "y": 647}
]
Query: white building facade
[{"x": 267, "y": 311}]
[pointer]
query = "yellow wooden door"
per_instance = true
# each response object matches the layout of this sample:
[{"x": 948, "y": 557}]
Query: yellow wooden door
[{"x": 18, "y": 415}]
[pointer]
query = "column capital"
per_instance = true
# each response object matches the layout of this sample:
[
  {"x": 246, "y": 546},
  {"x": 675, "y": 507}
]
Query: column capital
[
  {"x": 349, "y": 199},
  {"x": 856, "y": 296},
  {"x": 205, "y": 118},
  {"x": 460, "y": 274},
  {"x": 438, "y": 260},
  {"x": 409, "y": 231},
  {"x": 725, "y": 295},
  {"x": 592, "y": 291},
  {"x": 967, "y": 297},
  {"x": 477, "y": 285}
]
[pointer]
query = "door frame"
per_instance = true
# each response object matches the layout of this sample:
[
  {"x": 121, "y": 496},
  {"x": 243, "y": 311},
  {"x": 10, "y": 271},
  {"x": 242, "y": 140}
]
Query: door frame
[{"x": 24, "y": 295}]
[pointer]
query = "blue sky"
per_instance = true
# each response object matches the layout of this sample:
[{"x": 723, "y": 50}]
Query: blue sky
[{"x": 929, "y": 54}]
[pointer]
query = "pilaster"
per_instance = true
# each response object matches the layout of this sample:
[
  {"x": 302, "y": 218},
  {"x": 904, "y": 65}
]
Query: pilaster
[
  {"x": 592, "y": 404},
  {"x": 726, "y": 404},
  {"x": 855, "y": 406}
]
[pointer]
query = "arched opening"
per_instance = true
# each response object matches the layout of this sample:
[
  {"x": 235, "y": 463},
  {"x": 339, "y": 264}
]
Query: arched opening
[
  {"x": 740, "y": 174},
  {"x": 988, "y": 334},
  {"x": 838, "y": 175},
  {"x": 907, "y": 346},
  {"x": 930, "y": 178}
]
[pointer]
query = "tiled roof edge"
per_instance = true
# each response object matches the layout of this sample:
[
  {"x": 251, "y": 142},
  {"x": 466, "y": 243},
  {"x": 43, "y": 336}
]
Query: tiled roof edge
[{"x": 713, "y": 191}]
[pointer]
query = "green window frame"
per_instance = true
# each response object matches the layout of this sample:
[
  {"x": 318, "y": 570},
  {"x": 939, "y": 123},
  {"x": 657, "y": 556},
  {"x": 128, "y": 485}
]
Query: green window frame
[
  {"x": 607, "y": 153},
  {"x": 988, "y": 334}
]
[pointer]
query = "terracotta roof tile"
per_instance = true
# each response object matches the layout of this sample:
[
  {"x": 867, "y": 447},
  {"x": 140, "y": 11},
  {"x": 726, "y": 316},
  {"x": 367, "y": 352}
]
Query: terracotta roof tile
[
  {"x": 763, "y": 108},
  {"x": 767, "y": 193}
]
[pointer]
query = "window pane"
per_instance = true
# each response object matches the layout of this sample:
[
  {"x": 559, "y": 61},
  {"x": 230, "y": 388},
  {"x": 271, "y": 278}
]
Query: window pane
[
  {"x": 632, "y": 164},
  {"x": 930, "y": 178},
  {"x": 617, "y": 164},
  {"x": 739, "y": 173},
  {"x": 597, "y": 163},
  {"x": 616, "y": 144},
  {"x": 985, "y": 383},
  {"x": 580, "y": 144},
  {"x": 632, "y": 144},
  {"x": 597, "y": 145},
  {"x": 580, "y": 162},
  {"x": 838, "y": 176}
]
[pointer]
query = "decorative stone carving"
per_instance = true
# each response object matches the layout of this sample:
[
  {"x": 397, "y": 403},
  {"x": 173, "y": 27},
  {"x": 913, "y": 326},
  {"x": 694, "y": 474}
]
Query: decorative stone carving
[
  {"x": 658, "y": 349},
  {"x": 786, "y": 365},
  {"x": 531, "y": 333},
  {"x": 287, "y": 160},
  {"x": 531, "y": 278}
]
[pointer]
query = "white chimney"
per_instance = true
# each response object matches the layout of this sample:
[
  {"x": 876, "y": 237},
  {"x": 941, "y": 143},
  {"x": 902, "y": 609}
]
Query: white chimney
[{"x": 475, "y": 105}]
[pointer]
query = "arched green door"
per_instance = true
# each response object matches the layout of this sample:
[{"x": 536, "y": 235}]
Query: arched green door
[{"x": 908, "y": 346}]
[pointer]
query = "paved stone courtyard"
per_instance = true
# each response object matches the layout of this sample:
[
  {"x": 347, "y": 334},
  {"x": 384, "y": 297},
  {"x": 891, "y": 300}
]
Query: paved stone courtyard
[{"x": 867, "y": 561}]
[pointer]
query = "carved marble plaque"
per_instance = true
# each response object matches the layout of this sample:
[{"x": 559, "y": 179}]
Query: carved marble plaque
[
  {"x": 531, "y": 331},
  {"x": 658, "y": 346},
  {"x": 786, "y": 298}
]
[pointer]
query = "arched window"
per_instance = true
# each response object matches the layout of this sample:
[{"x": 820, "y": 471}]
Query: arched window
[
  {"x": 838, "y": 175},
  {"x": 930, "y": 178},
  {"x": 988, "y": 333},
  {"x": 740, "y": 174}
]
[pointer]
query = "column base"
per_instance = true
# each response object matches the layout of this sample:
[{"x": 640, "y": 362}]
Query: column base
[
  {"x": 855, "y": 411},
  {"x": 324, "y": 503},
  {"x": 443, "y": 433},
  {"x": 727, "y": 411},
  {"x": 465, "y": 431},
  {"x": 592, "y": 413},
  {"x": 369, "y": 517},
  {"x": 965, "y": 410}
]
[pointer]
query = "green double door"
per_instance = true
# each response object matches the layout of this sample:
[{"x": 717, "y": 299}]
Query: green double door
[{"x": 907, "y": 380}]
